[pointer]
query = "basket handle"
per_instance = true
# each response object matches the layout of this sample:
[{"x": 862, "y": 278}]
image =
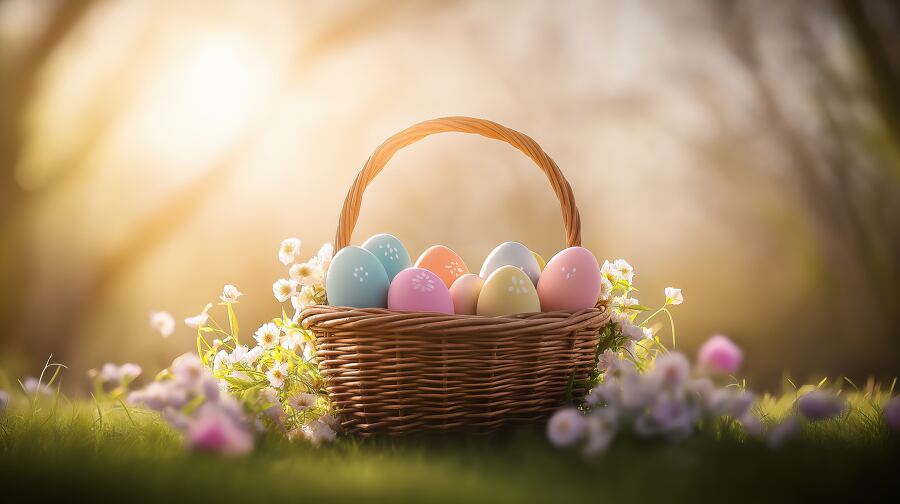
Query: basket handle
[{"x": 483, "y": 127}]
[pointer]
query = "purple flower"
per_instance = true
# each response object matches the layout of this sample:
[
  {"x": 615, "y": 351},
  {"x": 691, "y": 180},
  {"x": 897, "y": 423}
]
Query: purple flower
[
  {"x": 820, "y": 405},
  {"x": 720, "y": 355},
  {"x": 214, "y": 431},
  {"x": 892, "y": 413},
  {"x": 784, "y": 432}
]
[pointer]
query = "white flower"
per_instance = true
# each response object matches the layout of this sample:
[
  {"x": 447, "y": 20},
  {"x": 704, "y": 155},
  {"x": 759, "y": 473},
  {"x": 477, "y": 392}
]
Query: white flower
[
  {"x": 624, "y": 270},
  {"x": 730, "y": 402},
  {"x": 198, "y": 320},
  {"x": 302, "y": 401},
  {"x": 623, "y": 303},
  {"x": 670, "y": 371},
  {"x": 109, "y": 373},
  {"x": 284, "y": 289},
  {"x": 294, "y": 342},
  {"x": 601, "y": 429},
  {"x": 323, "y": 256},
  {"x": 268, "y": 335},
  {"x": 163, "y": 322},
  {"x": 277, "y": 374},
  {"x": 288, "y": 250},
  {"x": 609, "y": 272},
  {"x": 306, "y": 297},
  {"x": 606, "y": 359},
  {"x": 674, "y": 296},
  {"x": 605, "y": 288},
  {"x": 230, "y": 294},
  {"x": 33, "y": 386},
  {"x": 318, "y": 431},
  {"x": 566, "y": 427},
  {"x": 648, "y": 333},
  {"x": 129, "y": 371},
  {"x": 631, "y": 331},
  {"x": 308, "y": 273},
  {"x": 222, "y": 359},
  {"x": 187, "y": 370}
]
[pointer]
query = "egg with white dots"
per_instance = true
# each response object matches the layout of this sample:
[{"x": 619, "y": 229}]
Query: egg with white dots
[
  {"x": 512, "y": 254},
  {"x": 356, "y": 278},
  {"x": 570, "y": 281},
  {"x": 508, "y": 291},
  {"x": 390, "y": 252},
  {"x": 419, "y": 290}
]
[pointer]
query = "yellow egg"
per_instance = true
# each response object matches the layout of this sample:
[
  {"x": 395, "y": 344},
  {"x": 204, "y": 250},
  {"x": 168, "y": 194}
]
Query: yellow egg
[
  {"x": 540, "y": 260},
  {"x": 508, "y": 291}
]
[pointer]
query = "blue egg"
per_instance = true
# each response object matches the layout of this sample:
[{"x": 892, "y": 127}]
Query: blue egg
[
  {"x": 392, "y": 254},
  {"x": 356, "y": 278}
]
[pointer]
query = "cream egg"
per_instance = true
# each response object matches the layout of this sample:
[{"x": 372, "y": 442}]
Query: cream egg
[{"x": 512, "y": 254}]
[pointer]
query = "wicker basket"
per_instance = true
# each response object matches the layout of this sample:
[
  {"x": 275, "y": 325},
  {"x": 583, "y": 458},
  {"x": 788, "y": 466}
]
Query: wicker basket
[{"x": 396, "y": 373}]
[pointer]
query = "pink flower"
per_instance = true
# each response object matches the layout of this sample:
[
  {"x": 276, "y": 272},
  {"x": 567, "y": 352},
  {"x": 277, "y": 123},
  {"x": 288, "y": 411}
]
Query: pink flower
[
  {"x": 214, "y": 431},
  {"x": 892, "y": 413},
  {"x": 720, "y": 355}
]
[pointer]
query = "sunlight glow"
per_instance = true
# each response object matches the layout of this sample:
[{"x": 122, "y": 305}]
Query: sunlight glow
[{"x": 198, "y": 101}]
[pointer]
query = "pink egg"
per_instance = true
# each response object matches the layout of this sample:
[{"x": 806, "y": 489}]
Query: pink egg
[
  {"x": 465, "y": 291},
  {"x": 570, "y": 281},
  {"x": 419, "y": 290}
]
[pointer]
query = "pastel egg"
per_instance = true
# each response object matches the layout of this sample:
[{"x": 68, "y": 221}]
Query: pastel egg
[
  {"x": 419, "y": 290},
  {"x": 392, "y": 254},
  {"x": 356, "y": 278},
  {"x": 512, "y": 254},
  {"x": 444, "y": 263},
  {"x": 465, "y": 291},
  {"x": 540, "y": 260},
  {"x": 570, "y": 282},
  {"x": 506, "y": 292}
]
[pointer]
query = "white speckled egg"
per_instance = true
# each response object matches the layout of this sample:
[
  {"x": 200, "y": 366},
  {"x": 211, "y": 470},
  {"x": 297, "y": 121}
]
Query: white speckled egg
[
  {"x": 465, "y": 291},
  {"x": 392, "y": 254},
  {"x": 356, "y": 278},
  {"x": 570, "y": 282},
  {"x": 512, "y": 254},
  {"x": 508, "y": 291}
]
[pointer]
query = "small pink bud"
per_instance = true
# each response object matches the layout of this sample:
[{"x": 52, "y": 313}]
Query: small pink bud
[{"x": 720, "y": 355}]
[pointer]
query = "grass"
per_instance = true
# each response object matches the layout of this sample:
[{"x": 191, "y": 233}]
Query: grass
[{"x": 57, "y": 449}]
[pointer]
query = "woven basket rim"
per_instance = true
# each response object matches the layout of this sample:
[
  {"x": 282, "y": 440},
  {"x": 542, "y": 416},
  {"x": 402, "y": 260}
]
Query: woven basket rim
[{"x": 385, "y": 321}]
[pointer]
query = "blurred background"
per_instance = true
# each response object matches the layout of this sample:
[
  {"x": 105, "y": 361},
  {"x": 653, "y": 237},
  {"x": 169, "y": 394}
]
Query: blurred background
[{"x": 747, "y": 152}]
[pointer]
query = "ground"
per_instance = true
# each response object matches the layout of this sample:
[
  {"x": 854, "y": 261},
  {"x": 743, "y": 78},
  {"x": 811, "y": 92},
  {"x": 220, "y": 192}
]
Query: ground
[{"x": 69, "y": 451}]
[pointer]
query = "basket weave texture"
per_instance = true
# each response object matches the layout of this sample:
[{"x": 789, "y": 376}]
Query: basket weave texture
[{"x": 397, "y": 373}]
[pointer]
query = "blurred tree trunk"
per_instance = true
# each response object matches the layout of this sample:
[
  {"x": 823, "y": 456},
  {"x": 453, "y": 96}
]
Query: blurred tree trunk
[{"x": 19, "y": 78}]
